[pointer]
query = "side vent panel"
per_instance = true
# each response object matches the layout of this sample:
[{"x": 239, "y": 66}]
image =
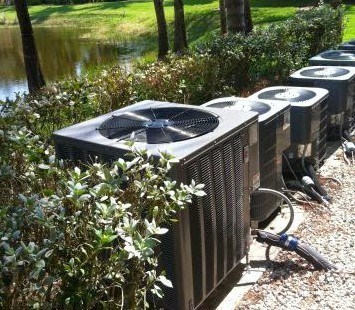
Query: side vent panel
[{"x": 217, "y": 220}]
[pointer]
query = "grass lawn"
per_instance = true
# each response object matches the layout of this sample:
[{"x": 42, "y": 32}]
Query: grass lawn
[
  {"x": 349, "y": 32},
  {"x": 137, "y": 18}
]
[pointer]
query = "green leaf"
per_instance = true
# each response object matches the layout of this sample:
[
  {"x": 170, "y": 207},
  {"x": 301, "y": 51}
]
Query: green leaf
[
  {"x": 43, "y": 166},
  {"x": 165, "y": 281},
  {"x": 160, "y": 231},
  {"x": 48, "y": 253},
  {"x": 41, "y": 252},
  {"x": 40, "y": 264},
  {"x": 199, "y": 193}
]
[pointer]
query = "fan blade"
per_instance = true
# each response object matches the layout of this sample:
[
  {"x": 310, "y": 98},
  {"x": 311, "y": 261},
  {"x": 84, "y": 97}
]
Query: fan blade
[
  {"x": 168, "y": 134},
  {"x": 123, "y": 133},
  {"x": 157, "y": 135},
  {"x": 132, "y": 116}
]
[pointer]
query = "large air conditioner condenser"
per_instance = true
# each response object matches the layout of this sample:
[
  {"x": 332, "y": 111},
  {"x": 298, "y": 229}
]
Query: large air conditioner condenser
[
  {"x": 308, "y": 122},
  {"x": 216, "y": 147},
  {"x": 349, "y": 45},
  {"x": 340, "y": 82},
  {"x": 274, "y": 139},
  {"x": 343, "y": 58}
]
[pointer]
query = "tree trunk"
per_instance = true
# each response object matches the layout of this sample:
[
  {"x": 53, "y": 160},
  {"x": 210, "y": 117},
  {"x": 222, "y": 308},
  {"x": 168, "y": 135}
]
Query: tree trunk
[
  {"x": 248, "y": 19},
  {"x": 335, "y": 3},
  {"x": 163, "y": 41},
  {"x": 180, "y": 41},
  {"x": 235, "y": 16},
  {"x": 33, "y": 69},
  {"x": 222, "y": 14}
]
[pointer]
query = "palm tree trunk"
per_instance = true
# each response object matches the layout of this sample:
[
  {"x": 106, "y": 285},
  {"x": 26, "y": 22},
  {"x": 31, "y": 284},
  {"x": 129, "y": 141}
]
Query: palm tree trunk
[
  {"x": 235, "y": 16},
  {"x": 33, "y": 69},
  {"x": 180, "y": 41},
  {"x": 163, "y": 41},
  {"x": 335, "y": 3},
  {"x": 222, "y": 14},
  {"x": 248, "y": 19}
]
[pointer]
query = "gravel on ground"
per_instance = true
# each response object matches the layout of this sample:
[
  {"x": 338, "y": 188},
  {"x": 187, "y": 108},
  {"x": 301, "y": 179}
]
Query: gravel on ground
[{"x": 289, "y": 281}]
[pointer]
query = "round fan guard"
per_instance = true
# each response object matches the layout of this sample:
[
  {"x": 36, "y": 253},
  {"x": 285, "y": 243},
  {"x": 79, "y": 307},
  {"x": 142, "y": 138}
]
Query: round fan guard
[
  {"x": 243, "y": 105},
  {"x": 338, "y": 55},
  {"x": 324, "y": 72},
  {"x": 159, "y": 125},
  {"x": 287, "y": 94}
]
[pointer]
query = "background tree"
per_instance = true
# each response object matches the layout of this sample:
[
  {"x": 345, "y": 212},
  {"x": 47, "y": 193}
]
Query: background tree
[
  {"x": 180, "y": 40},
  {"x": 247, "y": 17},
  {"x": 35, "y": 78},
  {"x": 335, "y": 3},
  {"x": 222, "y": 14},
  {"x": 235, "y": 17},
  {"x": 163, "y": 41}
]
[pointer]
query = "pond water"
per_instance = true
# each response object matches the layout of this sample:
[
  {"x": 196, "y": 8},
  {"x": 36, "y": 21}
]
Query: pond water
[{"x": 62, "y": 52}]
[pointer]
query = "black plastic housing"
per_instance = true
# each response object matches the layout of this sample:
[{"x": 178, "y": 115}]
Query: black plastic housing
[
  {"x": 308, "y": 120},
  {"x": 340, "y": 82},
  {"x": 274, "y": 137}
]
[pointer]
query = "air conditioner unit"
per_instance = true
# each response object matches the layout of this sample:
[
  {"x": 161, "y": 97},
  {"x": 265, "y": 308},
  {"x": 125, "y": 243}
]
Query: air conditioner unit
[
  {"x": 216, "y": 147},
  {"x": 274, "y": 138},
  {"x": 340, "y": 82},
  {"x": 334, "y": 58},
  {"x": 308, "y": 121},
  {"x": 349, "y": 45}
]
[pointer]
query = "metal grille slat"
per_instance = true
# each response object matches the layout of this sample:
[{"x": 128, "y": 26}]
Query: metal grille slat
[
  {"x": 239, "y": 236},
  {"x": 209, "y": 222},
  {"x": 221, "y": 219},
  {"x": 231, "y": 202},
  {"x": 197, "y": 242}
]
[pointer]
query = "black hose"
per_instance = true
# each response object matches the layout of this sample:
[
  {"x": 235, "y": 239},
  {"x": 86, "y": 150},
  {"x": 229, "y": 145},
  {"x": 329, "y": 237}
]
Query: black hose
[
  {"x": 346, "y": 135},
  {"x": 319, "y": 188},
  {"x": 293, "y": 244},
  {"x": 284, "y": 198},
  {"x": 311, "y": 193}
]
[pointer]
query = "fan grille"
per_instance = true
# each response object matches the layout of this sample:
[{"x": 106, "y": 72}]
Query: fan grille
[
  {"x": 159, "y": 125},
  {"x": 324, "y": 72},
  {"x": 243, "y": 105},
  {"x": 337, "y": 55},
  {"x": 287, "y": 94}
]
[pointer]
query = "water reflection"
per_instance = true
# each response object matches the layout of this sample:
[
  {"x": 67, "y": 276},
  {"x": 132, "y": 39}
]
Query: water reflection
[{"x": 62, "y": 53}]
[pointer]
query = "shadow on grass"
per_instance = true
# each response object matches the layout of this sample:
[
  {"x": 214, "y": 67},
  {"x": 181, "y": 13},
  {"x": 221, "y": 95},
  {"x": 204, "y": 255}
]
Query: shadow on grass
[
  {"x": 46, "y": 13},
  {"x": 43, "y": 15},
  {"x": 199, "y": 26},
  {"x": 189, "y": 2},
  {"x": 282, "y": 3}
]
